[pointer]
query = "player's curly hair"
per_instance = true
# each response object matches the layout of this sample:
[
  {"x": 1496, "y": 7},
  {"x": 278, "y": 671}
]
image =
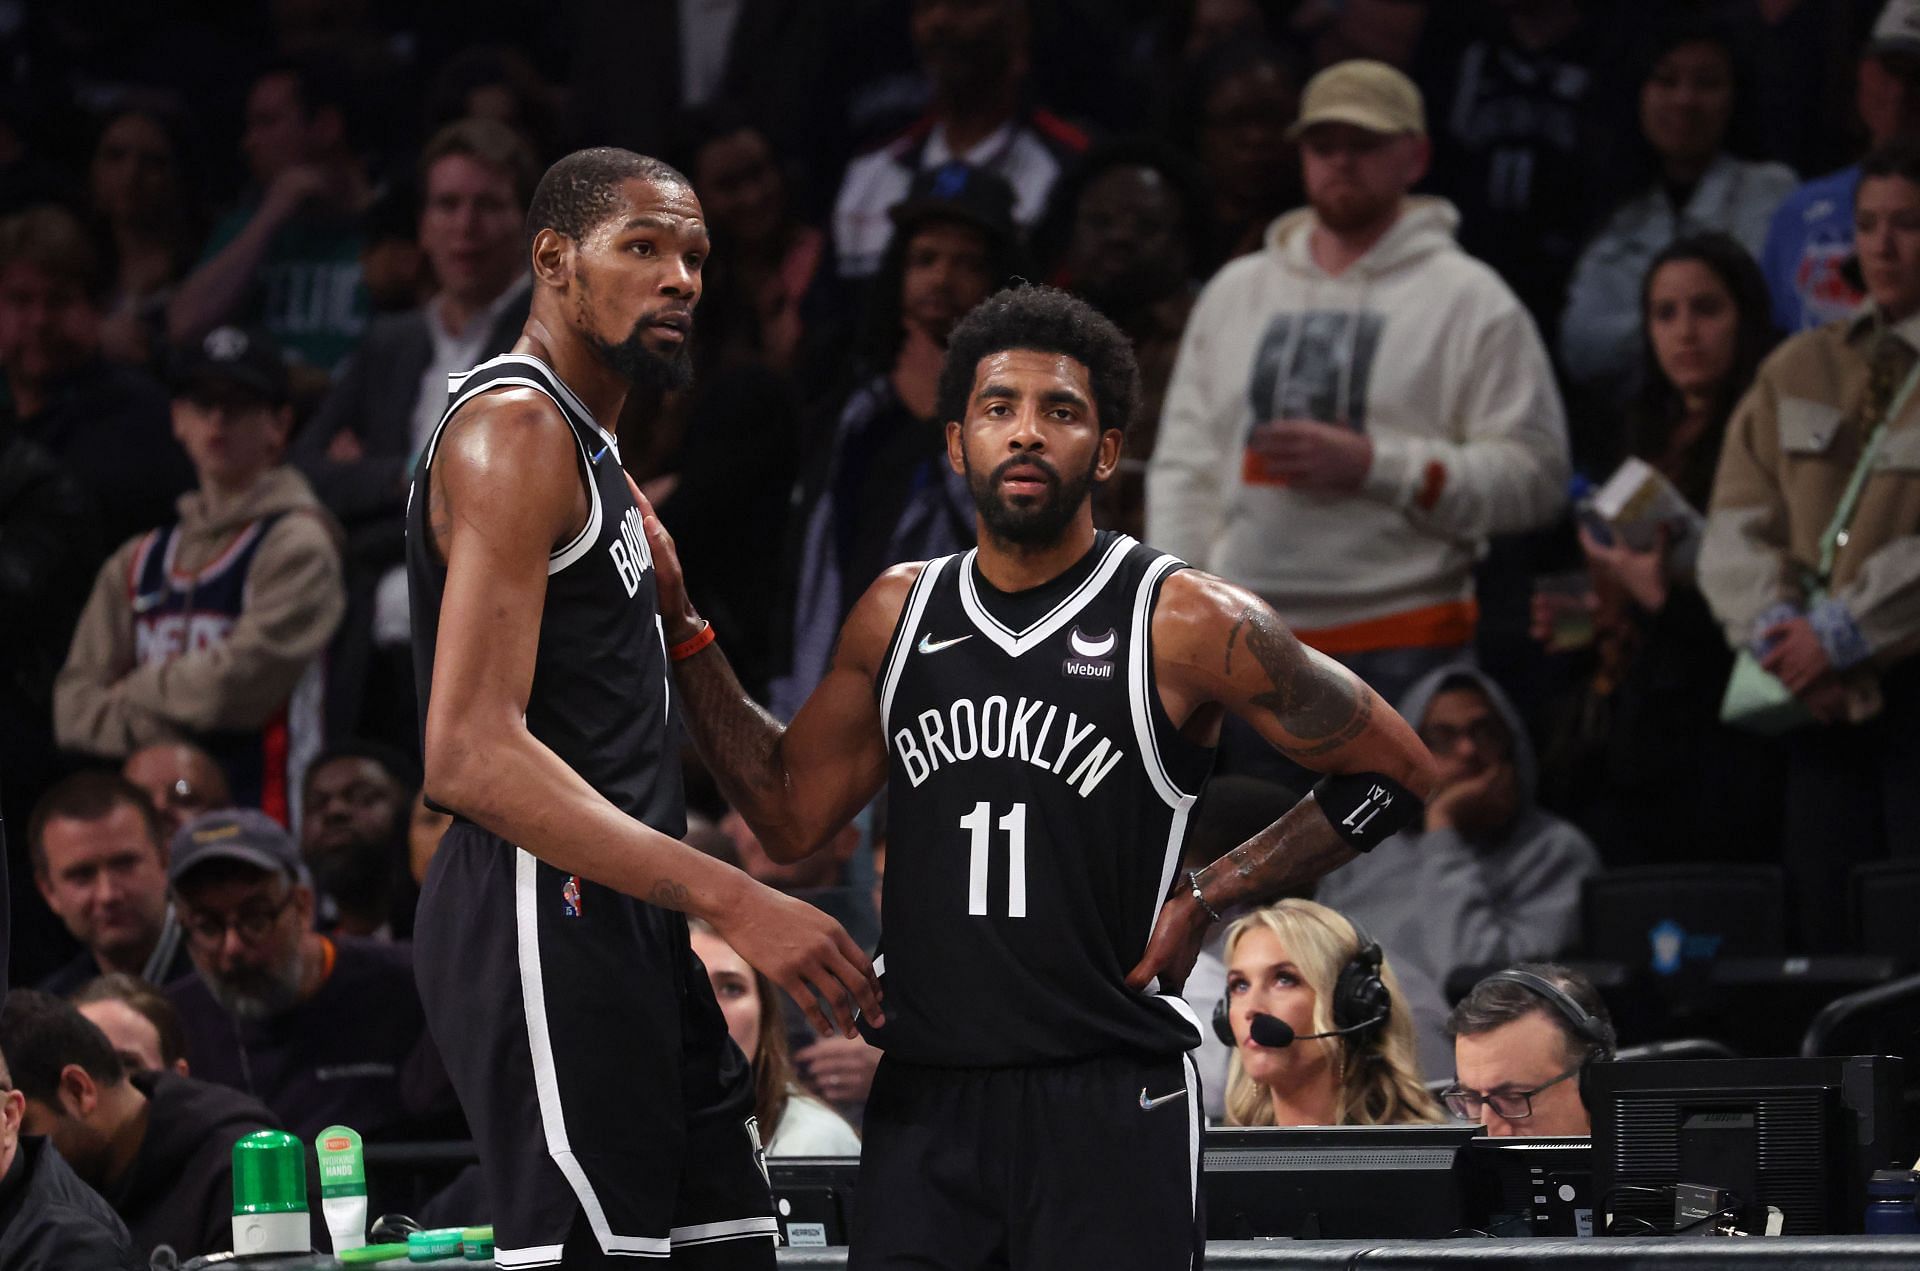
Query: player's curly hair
[
  {"x": 582, "y": 189},
  {"x": 1045, "y": 320}
]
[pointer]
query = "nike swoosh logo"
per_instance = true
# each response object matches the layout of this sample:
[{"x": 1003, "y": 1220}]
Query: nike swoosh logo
[
  {"x": 1150, "y": 1104},
  {"x": 929, "y": 645}
]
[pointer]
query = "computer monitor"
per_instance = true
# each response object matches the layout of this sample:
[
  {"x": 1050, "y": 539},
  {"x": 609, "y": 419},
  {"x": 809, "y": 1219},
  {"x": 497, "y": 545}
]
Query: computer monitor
[
  {"x": 1528, "y": 1187},
  {"x": 1351, "y": 1181},
  {"x": 813, "y": 1197},
  {"x": 1799, "y": 1135}
]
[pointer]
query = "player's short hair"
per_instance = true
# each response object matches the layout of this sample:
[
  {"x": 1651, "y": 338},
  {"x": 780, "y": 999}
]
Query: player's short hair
[
  {"x": 485, "y": 141},
  {"x": 89, "y": 796},
  {"x": 581, "y": 190},
  {"x": 1045, "y": 320},
  {"x": 147, "y": 1001},
  {"x": 42, "y": 1034}
]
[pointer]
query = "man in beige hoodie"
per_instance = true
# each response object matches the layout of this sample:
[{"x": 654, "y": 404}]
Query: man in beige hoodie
[
  {"x": 1358, "y": 407},
  {"x": 211, "y": 628}
]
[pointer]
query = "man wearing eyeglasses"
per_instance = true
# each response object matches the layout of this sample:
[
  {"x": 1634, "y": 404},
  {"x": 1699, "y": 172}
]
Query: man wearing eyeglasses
[
  {"x": 1489, "y": 879},
  {"x": 1518, "y": 1057},
  {"x": 323, "y": 1030}
]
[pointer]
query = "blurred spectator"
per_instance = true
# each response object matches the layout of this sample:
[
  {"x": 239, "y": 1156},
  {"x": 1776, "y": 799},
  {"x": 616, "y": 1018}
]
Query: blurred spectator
[
  {"x": 1240, "y": 98},
  {"x": 976, "y": 52},
  {"x": 100, "y": 863},
  {"x": 139, "y": 1021},
  {"x": 792, "y": 1122},
  {"x": 143, "y": 195},
  {"x": 879, "y": 488},
  {"x": 158, "y": 1147},
  {"x": 393, "y": 269},
  {"x": 321, "y": 1029},
  {"x": 181, "y": 782},
  {"x": 1337, "y": 30},
  {"x": 1518, "y": 1055},
  {"x": 49, "y": 548},
  {"x": 1489, "y": 877},
  {"x": 210, "y": 626},
  {"x": 1637, "y": 755},
  {"x": 1810, "y": 241},
  {"x": 1284, "y": 961},
  {"x": 1363, "y": 386},
  {"x": 1687, "y": 102},
  {"x": 49, "y": 1219},
  {"x": 1134, "y": 218},
  {"x": 1522, "y": 106},
  {"x": 288, "y": 259},
  {"x": 1844, "y": 645},
  {"x": 496, "y": 83},
  {"x": 765, "y": 261},
  {"x": 359, "y": 448},
  {"x": 105, "y": 422},
  {"x": 353, "y": 837}
]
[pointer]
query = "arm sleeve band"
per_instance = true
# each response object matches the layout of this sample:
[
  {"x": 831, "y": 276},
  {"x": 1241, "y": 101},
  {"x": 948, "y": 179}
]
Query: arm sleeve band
[{"x": 1366, "y": 807}]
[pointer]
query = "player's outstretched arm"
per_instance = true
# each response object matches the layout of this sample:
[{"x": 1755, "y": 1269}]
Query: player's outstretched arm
[
  {"x": 1221, "y": 647},
  {"x": 505, "y": 486},
  {"x": 796, "y": 785}
]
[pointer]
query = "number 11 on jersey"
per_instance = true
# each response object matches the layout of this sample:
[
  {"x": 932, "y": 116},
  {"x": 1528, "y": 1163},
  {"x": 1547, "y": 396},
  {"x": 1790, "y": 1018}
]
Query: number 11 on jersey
[{"x": 978, "y": 825}]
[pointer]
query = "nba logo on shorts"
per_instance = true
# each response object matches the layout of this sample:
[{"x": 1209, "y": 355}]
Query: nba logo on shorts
[{"x": 570, "y": 897}]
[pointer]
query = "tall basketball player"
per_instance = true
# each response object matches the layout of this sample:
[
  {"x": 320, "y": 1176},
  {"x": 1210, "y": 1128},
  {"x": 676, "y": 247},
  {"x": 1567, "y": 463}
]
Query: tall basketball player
[
  {"x": 1042, "y": 711},
  {"x": 613, "y": 1116}
]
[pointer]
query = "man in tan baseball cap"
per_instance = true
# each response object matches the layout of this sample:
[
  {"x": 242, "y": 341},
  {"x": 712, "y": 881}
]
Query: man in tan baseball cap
[{"x": 1366, "y": 94}]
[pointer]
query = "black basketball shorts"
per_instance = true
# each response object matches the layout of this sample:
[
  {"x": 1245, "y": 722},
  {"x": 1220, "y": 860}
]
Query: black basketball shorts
[
  {"x": 612, "y": 1113},
  {"x": 1090, "y": 1166}
]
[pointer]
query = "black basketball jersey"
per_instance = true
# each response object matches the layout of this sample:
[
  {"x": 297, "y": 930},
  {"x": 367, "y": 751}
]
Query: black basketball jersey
[
  {"x": 1037, "y": 802},
  {"x": 602, "y": 695}
]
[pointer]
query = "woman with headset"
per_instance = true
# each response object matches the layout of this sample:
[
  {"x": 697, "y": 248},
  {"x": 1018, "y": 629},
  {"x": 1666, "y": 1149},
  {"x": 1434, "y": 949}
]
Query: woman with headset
[{"x": 1310, "y": 1014}]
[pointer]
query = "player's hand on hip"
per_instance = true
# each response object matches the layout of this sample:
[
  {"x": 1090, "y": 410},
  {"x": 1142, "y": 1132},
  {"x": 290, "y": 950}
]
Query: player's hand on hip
[
  {"x": 1173, "y": 947},
  {"x": 676, "y": 611},
  {"x": 807, "y": 954}
]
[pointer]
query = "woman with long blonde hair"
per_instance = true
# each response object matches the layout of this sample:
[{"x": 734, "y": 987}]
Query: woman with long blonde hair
[{"x": 1285, "y": 961}]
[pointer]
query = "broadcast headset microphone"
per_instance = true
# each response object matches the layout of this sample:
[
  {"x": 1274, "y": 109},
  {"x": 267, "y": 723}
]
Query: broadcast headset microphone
[{"x": 1274, "y": 1032}]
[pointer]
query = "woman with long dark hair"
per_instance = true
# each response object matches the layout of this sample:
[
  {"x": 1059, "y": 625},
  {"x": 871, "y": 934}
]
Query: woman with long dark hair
[
  {"x": 1638, "y": 757},
  {"x": 140, "y": 191}
]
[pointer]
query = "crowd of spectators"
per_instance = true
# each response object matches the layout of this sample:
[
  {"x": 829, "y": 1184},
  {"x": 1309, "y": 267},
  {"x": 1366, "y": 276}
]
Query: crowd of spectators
[{"x": 1408, "y": 282}]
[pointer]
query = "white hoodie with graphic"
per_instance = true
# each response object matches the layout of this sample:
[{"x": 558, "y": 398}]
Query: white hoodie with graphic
[{"x": 1416, "y": 344}]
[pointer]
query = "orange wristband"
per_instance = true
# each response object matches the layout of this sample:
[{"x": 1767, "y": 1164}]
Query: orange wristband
[{"x": 692, "y": 645}]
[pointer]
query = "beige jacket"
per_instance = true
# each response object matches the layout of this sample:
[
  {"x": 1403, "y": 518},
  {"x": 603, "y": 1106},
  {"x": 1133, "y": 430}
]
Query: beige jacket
[
  {"x": 1791, "y": 447},
  {"x": 105, "y": 705}
]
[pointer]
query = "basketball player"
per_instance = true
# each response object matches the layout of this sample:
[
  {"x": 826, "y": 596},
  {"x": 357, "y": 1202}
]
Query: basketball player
[
  {"x": 612, "y": 1114},
  {"x": 1042, "y": 711}
]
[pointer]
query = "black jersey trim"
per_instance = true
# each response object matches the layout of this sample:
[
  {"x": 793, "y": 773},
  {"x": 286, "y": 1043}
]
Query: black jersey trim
[
  {"x": 910, "y": 615},
  {"x": 546, "y": 383},
  {"x": 1015, "y": 643}
]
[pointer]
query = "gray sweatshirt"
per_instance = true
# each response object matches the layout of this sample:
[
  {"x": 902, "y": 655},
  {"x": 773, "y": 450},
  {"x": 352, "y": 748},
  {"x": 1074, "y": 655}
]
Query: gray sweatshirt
[{"x": 1439, "y": 901}]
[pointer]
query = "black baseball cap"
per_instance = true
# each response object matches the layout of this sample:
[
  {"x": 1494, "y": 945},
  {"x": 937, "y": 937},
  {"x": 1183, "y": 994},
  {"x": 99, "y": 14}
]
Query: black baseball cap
[
  {"x": 230, "y": 356},
  {"x": 234, "y": 834},
  {"x": 957, "y": 191}
]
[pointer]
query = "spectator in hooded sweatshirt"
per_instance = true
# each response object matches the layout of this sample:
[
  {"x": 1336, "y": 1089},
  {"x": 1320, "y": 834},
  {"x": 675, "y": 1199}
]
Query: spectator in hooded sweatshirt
[
  {"x": 49, "y": 1219},
  {"x": 1489, "y": 877},
  {"x": 157, "y": 1146},
  {"x": 211, "y": 627},
  {"x": 1365, "y": 387}
]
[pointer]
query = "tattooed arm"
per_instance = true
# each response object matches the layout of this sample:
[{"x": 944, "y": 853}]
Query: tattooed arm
[
  {"x": 796, "y": 785},
  {"x": 1219, "y": 648}
]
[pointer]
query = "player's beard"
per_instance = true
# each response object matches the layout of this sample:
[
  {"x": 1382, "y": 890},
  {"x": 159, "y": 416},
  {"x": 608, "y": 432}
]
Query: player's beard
[
  {"x": 1038, "y": 524},
  {"x": 640, "y": 366}
]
